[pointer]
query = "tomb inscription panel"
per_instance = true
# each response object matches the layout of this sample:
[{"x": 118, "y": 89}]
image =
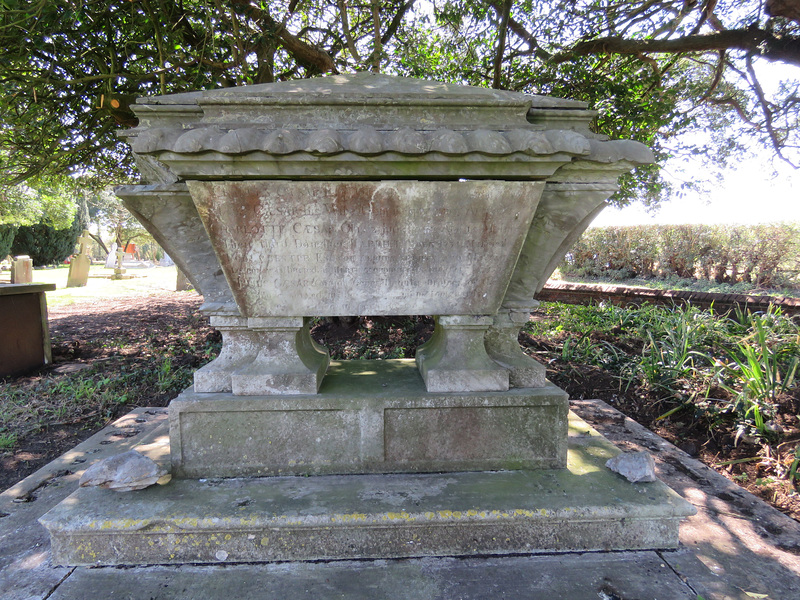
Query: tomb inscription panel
[{"x": 357, "y": 248}]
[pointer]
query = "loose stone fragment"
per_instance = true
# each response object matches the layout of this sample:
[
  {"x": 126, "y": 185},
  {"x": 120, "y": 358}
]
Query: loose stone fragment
[
  {"x": 634, "y": 466},
  {"x": 123, "y": 472}
]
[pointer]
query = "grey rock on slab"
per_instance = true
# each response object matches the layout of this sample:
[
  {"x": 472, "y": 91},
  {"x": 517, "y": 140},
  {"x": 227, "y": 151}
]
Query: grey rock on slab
[
  {"x": 124, "y": 472},
  {"x": 634, "y": 466}
]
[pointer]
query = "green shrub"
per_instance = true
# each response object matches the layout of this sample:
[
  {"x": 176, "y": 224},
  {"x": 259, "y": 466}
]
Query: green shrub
[
  {"x": 614, "y": 252},
  {"x": 731, "y": 368},
  {"x": 765, "y": 255},
  {"x": 45, "y": 244},
  {"x": 7, "y": 233}
]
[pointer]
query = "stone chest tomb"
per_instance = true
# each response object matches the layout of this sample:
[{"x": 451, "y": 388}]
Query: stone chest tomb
[{"x": 373, "y": 195}]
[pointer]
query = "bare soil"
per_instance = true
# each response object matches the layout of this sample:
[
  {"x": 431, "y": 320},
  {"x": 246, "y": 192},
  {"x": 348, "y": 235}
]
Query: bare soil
[
  {"x": 119, "y": 333},
  {"x": 122, "y": 332}
]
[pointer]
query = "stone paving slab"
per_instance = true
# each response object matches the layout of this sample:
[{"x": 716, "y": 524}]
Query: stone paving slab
[
  {"x": 743, "y": 541},
  {"x": 25, "y": 568},
  {"x": 642, "y": 575}
]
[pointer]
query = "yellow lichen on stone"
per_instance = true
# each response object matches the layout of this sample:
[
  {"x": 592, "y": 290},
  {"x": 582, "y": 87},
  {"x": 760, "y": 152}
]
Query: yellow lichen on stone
[
  {"x": 349, "y": 517},
  {"x": 402, "y": 516}
]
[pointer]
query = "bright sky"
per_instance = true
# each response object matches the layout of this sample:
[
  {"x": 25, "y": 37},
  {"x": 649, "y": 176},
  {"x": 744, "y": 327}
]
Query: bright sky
[{"x": 748, "y": 194}]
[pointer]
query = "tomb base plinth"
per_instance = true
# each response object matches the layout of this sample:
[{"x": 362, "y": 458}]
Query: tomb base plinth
[
  {"x": 582, "y": 507},
  {"x": 120, "y": 274},
  {"x": 368, "y": 417}
]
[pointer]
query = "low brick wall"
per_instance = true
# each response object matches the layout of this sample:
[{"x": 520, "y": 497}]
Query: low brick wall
[{"x": 586, "y": 293}]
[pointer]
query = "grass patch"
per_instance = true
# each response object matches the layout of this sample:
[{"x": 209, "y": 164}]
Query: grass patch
[{"x": 145, "y": 281}]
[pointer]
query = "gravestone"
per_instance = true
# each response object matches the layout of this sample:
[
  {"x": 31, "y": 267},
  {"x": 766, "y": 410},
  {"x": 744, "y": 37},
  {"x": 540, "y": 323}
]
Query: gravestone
[
  {"x": 370, "y": 195},
  {"x": 24, "y": 327},
  {"x": 22, "y": 269},
  {"x": 79, "y": 265},
  {"x": 111, "y": 259},
  {"x": 182, "y": 282},
  {"x": 119, "y": 270}
]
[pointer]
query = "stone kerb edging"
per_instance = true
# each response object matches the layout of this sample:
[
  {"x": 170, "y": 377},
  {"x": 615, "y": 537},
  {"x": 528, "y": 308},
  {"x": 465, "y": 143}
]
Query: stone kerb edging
[{"x": 584, "y": 293}]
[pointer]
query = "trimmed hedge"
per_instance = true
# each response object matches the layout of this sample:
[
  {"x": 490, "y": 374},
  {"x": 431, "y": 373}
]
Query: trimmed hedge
[
  {"x": 7, "y": 233},
  {"x": 46, "y": 245},
  {"x": 765, "y": 255}
]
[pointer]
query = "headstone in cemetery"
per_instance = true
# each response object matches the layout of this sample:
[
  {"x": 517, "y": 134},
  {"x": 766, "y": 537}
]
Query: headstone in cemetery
[
  {"x": 119, "y": 270},
  {"x": 370, "y": 195},
  {"x": 130, "y": 252},
  {"x": 22, "y": 269},
  {"x": 111, "y": 259},
  {"x": 25, "y": 332},
  {"x": 79, "y": 265},
  {"x": 182, "y": 282}
]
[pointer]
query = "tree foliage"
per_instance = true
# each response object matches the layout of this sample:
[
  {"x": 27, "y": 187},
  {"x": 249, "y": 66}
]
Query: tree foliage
[
  {"x": 106, "y": 214},
  {"x": 52, "y": 201},
  {"x": 45, "y": 244},
  {"x": 652, "y": 68}
]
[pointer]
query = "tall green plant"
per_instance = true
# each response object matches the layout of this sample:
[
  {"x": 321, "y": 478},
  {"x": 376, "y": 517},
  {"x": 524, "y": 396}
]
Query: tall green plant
[
  {"x": 758, "y": 371},
  {"x": 675, "y": 338}
]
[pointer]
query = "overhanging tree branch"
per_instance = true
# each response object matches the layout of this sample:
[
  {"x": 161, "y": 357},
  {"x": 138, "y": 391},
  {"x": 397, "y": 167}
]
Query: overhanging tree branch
[
  {"x": 522, "y": 33},
  {"x": 751, "y": 39},
  {"x": 391, "y": 30},
  {"x": 766, "y": 109},
  {"x": 313, "y": 59},
  {"x": 501, "y": 43}
]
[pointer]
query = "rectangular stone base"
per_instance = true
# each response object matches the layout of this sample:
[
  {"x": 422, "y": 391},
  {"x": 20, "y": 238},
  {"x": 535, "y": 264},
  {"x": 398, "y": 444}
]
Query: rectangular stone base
[
  {"x": 368, "y": 417},
  {"x": 583, "y": 507}
]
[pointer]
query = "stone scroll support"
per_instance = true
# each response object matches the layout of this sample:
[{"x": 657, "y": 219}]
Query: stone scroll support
[
  {"x": 288, "y": 361},
  {"x": 167, "y": 212},
  {"x": 560, "y": 218},
  {"x": 564, "y": 212},
  {"x": 455, "y": 359},
  {"x": 240, "y": 347},
  {"x": 503, "y": 347}
]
